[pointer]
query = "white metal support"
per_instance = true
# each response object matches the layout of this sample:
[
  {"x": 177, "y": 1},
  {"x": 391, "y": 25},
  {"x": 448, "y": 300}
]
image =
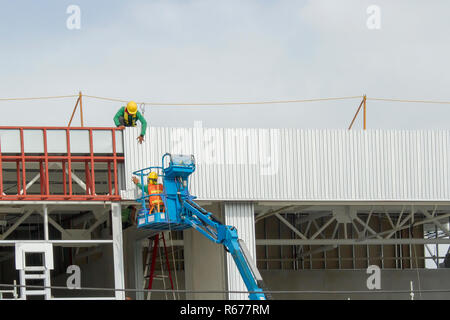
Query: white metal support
[
  {"x": 366, "y": 227},
  {"x": 436, "y": 222},
  {"x": 54, "y": 224},
  {"x": 389, "y": 219},
  {"x": 45, "y": 211},
  {"x": 400, "y": 224},
  {"x": 15, "y": 225},
  {"x": 322, "y": 228},
  {"x": 37, "y": 272},
  {"x": 116, "y": 220},
  {"x": 269, "y": 213},
  {"x": 290, "y": 226},
  {"x": 240, "y": 215}
]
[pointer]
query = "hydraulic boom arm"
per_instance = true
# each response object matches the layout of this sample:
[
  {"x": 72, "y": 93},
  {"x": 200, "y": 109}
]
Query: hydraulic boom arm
[
  {"x": 181, "y": 212},
  {"x": 214, "y": 230}
]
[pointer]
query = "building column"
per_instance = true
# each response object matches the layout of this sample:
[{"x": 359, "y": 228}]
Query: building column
[
  {"x": 204, "y": 263},
  {"x": 240, "y": 215},
  {"x": 116, "y": 221}
]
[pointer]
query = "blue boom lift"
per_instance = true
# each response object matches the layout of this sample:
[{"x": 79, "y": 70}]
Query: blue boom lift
[{"x": 181, "y": 212}]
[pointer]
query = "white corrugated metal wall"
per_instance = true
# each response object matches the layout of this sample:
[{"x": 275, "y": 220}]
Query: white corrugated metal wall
[
  {"x": 241, "y": 216},
  {"x": 301, "y": 165}
]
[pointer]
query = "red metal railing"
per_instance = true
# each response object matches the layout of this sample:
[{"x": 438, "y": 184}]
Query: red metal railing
[{"x": 66, "y": 160}]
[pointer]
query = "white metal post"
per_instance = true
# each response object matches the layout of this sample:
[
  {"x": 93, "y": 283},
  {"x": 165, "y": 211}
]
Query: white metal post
[
  {"x": 23, "y": 290},
  {"x": 45, "y": 208},
  {"x": 116, "y": 221},
  {"x": 240, "y": 215}
]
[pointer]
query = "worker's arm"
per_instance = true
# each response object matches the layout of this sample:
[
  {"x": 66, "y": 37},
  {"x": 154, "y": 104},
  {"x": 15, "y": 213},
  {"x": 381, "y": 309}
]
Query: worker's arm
[
  {"x": 143, "y": 123},
  {"x": 145, "y": 187},
  {"x": 139, "y": 185},
  {"x": 119, "y": 114}
]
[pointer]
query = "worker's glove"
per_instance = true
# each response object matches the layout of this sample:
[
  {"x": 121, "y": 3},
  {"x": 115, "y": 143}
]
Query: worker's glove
[{"x": 140, "y": 139}]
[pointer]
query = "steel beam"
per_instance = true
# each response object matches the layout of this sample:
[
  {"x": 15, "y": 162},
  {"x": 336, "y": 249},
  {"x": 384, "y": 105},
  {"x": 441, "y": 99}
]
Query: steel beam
[
  {"x": 67, "y": 243},
  {"x": 15, "y": 225},
  {"x": 436, "y": 222},
  {"x": 322, "y": 228},
  {"x": 290, "y": 226},
  {"x": 324, "y": 242},
  {"x": 271, "y": 212}
]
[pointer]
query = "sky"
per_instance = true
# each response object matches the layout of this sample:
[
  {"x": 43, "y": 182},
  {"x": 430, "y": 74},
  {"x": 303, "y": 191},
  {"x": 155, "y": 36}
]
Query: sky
[{"x": 211, "y": 50}]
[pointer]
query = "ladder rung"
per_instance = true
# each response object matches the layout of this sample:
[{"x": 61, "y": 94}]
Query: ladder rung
[
  {"x": 157, "y": 276},
  {"x": 35, "y": 292},
  {"x": 35, "y": 276},
  {"x": 41, "y": 268}
]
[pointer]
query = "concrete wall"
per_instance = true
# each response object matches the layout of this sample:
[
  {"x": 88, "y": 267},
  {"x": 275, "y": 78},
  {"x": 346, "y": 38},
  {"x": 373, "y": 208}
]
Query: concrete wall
[{"x": 345, "y": 280}]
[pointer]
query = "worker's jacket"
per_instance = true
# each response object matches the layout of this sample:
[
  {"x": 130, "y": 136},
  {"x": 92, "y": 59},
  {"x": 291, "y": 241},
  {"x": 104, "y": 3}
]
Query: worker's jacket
[
  {"x": 130, "y": 120},
  {"x": 152, "y": 189},
  {"x": 155, "y": 189}
]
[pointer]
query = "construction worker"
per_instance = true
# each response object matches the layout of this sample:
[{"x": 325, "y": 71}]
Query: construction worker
[
  {"x": 152, "y": 187},
  {"x": 127, "y": 117}
]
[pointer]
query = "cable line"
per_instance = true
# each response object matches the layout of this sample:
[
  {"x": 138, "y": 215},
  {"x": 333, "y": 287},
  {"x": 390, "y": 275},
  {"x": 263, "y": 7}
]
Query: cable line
[
  {"x": 226, "y": 103},
  {"x": 39, "y": 98}
]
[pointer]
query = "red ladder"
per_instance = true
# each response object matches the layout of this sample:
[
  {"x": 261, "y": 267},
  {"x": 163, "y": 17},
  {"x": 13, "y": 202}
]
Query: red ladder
[{"x": 156, "y": 240}]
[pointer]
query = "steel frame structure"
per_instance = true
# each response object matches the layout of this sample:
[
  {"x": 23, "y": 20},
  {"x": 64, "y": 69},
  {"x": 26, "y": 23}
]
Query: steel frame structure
[
  {"x": 100, "y": 211},
  {"x": 64, "y": 161},
  {"x": 318, "y": 230}
]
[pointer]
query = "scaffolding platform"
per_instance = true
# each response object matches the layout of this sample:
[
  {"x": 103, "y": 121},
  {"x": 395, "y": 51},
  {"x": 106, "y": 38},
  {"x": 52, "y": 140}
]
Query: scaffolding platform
[{"x": 60, "y": 163}]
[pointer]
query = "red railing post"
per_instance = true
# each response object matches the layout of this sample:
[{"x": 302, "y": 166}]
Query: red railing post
[
  {"x": 64, "y": 177},
  {"x": 22, "y": 151},
  {"x": 42, "y": 177},
  {"x": 69, "y": 161},
  {"x": 47, "y": 176},
  {"x": 109, "y": 179},
  {"x": 18, "y": 177},
  {"x": 88, "y": 178},
  {"x": 91, "y": 149}
]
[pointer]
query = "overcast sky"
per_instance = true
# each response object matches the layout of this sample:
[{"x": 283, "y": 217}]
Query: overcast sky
[{"x": 203, "y": 51}]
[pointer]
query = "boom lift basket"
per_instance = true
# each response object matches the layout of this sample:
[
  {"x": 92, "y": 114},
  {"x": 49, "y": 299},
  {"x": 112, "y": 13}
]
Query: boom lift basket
[{"x": 174, "y": 175}]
